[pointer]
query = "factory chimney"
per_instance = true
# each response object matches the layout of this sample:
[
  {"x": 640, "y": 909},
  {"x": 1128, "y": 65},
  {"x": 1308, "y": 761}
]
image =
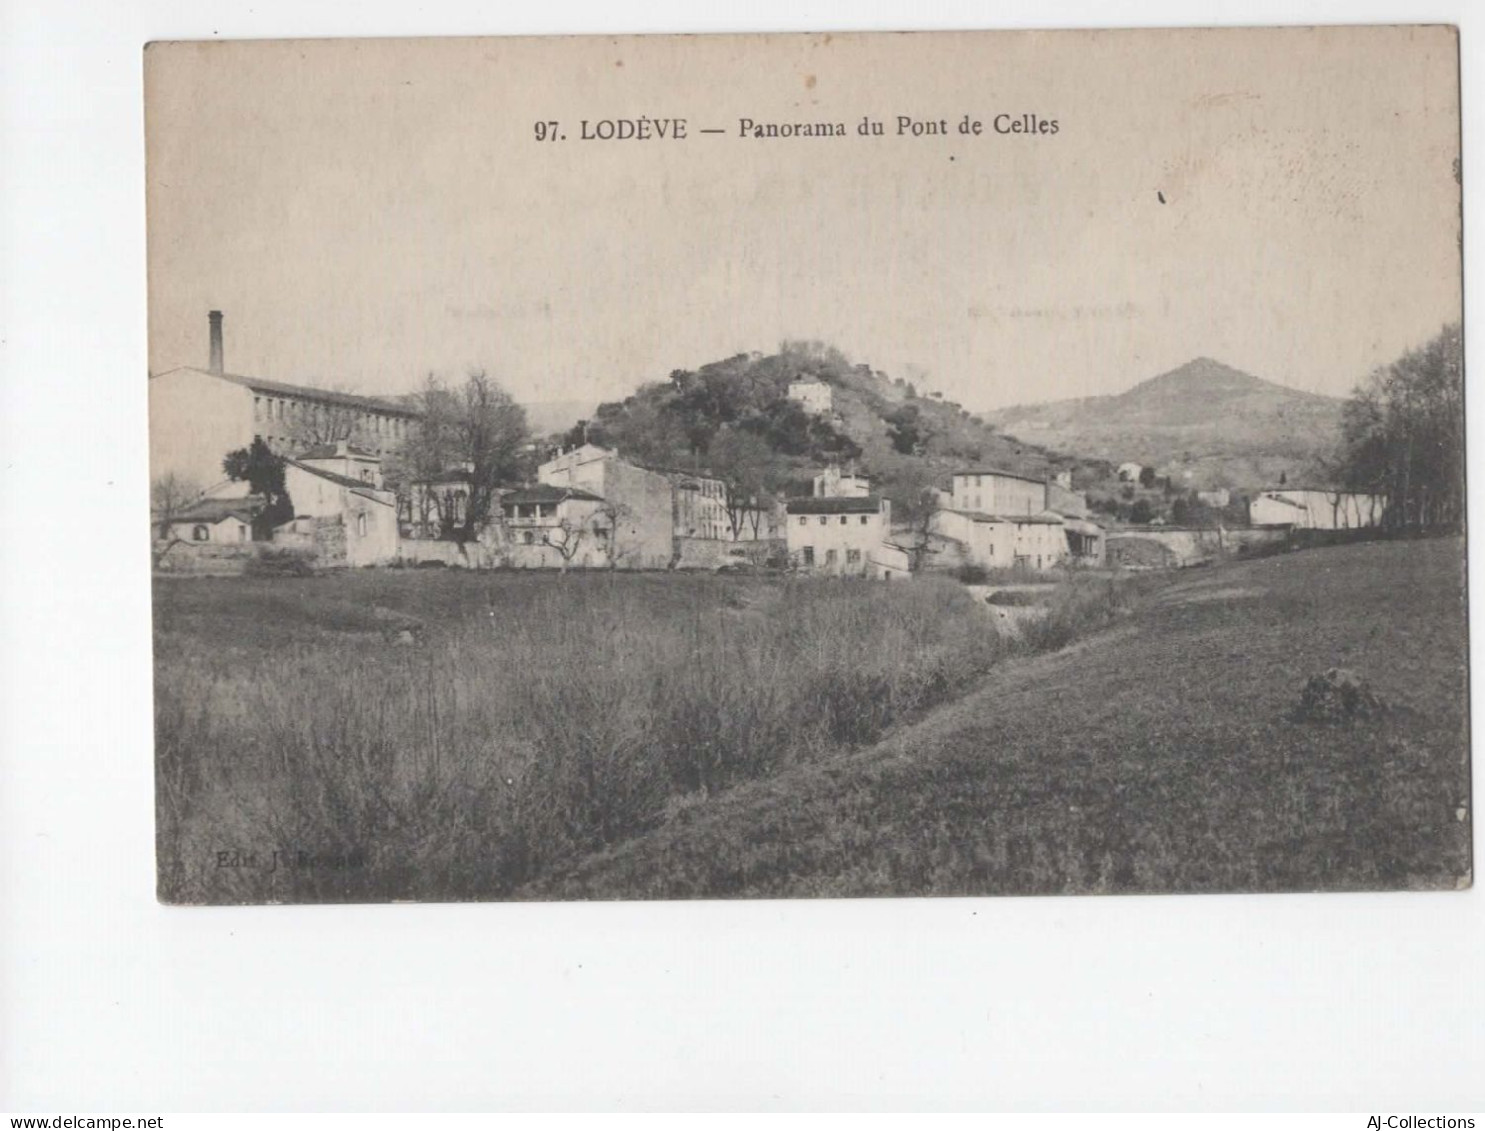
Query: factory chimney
[{"x": 215, "y": 319}]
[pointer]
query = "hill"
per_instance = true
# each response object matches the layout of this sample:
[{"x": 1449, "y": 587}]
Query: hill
[
  {"x": 1159, "y": 756},
  {"x": 1205, "y": 424},
  {"x": 736, "y": 418}
]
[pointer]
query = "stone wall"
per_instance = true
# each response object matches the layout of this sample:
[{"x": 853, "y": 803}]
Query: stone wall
[
  {"x": 329, "y": 543},
  {"x": 1165, "y": 547},
  {"x": 710, "y": 553},
  {"x": 204, "y": 558}
]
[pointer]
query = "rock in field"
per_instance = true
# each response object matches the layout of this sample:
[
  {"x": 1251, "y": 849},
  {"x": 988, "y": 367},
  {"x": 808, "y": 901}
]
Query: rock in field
[{"x": 1337, "y": 696}]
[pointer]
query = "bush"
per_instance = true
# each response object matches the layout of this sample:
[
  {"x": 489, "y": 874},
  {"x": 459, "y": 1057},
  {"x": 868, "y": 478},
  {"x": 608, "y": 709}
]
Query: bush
[
  {"x": 971, "y": 574},
  {"x": 272, "y": 561}
]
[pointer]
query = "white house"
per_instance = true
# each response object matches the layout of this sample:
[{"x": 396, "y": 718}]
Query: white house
[
  {"x": 842, "y": 536},
  {"x": 329, "y": 505},
  {"x": 1002, "y": 520},
  {"x": 1130, "y": 472},
  {"x": 216, "y": 520},
  {"x": 812, "y": 394},
  {"x": 1311, "y": 509},
  {"x": 1029, "y": 541}
]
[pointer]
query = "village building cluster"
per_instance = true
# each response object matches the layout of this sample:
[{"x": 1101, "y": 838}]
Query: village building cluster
[{"x": 591, "y": 507}]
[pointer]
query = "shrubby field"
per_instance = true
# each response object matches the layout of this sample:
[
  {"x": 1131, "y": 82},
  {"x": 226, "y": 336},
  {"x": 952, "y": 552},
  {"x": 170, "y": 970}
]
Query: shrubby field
[
  {"x": 451, "y": 735},
  {"x": 444, "y": 736}
]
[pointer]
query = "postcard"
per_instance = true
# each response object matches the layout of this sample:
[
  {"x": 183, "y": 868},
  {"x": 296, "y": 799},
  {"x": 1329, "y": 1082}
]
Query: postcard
[{"x": 675, "y": 467}]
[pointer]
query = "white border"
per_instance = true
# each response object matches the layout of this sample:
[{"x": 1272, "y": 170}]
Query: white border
[{"x": 109, "y": 1002}]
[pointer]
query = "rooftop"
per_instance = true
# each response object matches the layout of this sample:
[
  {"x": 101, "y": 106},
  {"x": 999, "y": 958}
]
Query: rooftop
[
  {"x": 334, "y": 477},
  {"x": 861, "y": 504},
  {"x": 1002, "y": 474},
  {"x": 546, "y": 493},
  {"x": 1043, "y": 518},
  {"x": 393, "y": 405},
  {"x": 215, "y": 510}
]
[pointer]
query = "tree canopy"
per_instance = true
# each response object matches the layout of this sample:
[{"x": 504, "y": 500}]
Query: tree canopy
[
  {"x": 263, "y": 471},
  {"x": 1403, "y": 435},
  {"x": 474, "y": 432}
]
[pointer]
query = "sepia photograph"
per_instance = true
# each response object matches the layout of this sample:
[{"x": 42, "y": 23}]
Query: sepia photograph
[{"x": 759, "y": 466}]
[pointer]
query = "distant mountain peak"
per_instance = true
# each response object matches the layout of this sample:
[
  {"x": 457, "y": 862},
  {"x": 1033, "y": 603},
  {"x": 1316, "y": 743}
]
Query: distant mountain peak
[
  {"x": 1202, "y": 375},
  {"x": 1204, "y": 417}
]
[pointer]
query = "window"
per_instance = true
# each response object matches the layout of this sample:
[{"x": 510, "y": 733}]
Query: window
[
  {"x": 803, "y": 521},
  {"x": 823, "y": 520},
  {"x": 807, "y": 555},
  {"x": 844, "y": 520},
  {"x": 865, "y": 519},
  {"x": 829, "y": 557},
  {"x": 853, "y": 557},
  {"x": 200, "y": 534},
  {"x": 361, "y": 525},
  {"x": 366, "y": 475},
  {"x": 528, "y": 538}
]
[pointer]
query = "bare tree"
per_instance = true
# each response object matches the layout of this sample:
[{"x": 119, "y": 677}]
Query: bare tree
[
  {"x": 170, "y": 495},
  {"x": 475, "y": 428},
  {"x": 566, "y": 538},
  {"x": 610, "y": 516},
  {"x": 915, "y": 499},
  {"x": 747, "y": 468}
]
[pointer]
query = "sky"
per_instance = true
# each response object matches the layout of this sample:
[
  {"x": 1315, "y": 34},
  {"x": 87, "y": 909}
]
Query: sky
[{"x": 367, "y": 212}]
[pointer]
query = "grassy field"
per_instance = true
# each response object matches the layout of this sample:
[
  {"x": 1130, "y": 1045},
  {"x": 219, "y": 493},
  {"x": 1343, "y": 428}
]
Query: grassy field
[
  {"x": 1161, "y": 755},
  {"x": 431, "y": 735},
  {"x": 452, "y": 735}
]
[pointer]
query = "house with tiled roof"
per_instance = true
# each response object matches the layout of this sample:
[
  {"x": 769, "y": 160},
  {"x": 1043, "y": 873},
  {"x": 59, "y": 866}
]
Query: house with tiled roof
[{"x": 211, "y": 520}]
